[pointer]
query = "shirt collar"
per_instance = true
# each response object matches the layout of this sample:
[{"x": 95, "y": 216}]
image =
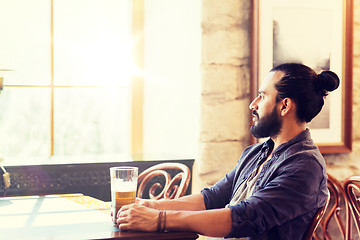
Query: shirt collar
[{"x": 269, "y": 144}]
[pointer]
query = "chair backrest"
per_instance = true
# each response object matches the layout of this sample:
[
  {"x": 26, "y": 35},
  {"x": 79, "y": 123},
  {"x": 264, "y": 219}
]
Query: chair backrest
[
  {"x": 332, "y": 225},
  {"x": 352, "y": 190},
  {"x": 316, "y": 219},
  {"x": 173, "y": 187}
]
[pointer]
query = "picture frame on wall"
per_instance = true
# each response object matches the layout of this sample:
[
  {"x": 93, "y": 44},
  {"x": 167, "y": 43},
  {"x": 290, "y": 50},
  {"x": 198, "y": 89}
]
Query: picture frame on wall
[{"x": 317, "y": 34}]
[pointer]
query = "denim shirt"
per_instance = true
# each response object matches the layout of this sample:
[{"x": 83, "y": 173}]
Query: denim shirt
[{"x": 291, "y": 186}]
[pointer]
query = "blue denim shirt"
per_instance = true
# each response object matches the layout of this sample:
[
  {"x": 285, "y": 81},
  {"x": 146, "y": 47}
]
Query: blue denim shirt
[{"x": 291, "y": 186}]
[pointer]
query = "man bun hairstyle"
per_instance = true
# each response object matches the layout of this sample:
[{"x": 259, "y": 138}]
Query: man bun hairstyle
[
  {"x": 327, "y": 81},
  {"x": 305, "y": 87}
]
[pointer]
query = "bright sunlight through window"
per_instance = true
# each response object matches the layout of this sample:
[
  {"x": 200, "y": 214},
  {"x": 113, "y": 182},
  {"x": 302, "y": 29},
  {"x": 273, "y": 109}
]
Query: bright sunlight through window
[{"x": 70, "y": 89}]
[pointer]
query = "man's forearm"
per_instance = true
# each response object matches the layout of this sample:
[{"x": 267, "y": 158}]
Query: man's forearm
[
  {"x": 190, "y": 202},
  {"x": 214, "y": 223}
]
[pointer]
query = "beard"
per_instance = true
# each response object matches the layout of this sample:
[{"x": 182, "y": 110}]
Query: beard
[{"x": 267, "y": 126}]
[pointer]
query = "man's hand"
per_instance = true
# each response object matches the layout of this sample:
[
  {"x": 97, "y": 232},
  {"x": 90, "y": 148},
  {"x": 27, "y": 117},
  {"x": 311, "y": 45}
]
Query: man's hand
[
  {"x": 137, "y": 217},
  {"x": 147, "y": 202}
]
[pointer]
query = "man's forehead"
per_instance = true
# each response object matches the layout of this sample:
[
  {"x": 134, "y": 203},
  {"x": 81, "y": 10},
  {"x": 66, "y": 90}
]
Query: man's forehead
[{"x": 270, "y": 80}]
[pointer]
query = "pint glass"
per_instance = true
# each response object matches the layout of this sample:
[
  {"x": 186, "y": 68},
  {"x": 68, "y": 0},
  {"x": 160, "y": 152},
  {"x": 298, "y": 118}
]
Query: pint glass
[{"x": 123, "y": 187}]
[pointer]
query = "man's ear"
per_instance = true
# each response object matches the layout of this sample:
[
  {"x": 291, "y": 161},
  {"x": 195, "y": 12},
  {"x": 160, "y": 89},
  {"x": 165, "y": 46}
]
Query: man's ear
[{"x": 286, "y": 106}]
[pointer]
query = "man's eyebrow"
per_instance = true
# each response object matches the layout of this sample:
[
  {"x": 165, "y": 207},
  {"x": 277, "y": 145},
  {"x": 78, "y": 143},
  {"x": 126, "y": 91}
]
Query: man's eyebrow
[{"x": 261, "y": 92}]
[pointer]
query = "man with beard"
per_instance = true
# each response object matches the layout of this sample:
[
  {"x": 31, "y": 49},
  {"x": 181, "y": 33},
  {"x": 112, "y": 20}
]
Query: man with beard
[{"x": 276, "y": 187}]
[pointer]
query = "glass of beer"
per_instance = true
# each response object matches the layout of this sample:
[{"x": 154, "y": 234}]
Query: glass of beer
[{"x": 123, "y": 187}]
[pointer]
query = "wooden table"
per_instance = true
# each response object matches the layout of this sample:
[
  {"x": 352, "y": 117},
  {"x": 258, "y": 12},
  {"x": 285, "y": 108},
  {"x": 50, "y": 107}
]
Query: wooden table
[{"x": 72, "y": 216}]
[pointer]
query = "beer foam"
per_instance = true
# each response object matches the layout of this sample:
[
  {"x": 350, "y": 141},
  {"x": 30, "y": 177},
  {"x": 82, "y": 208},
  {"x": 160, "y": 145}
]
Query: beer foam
[{"x": 117, "y": 185}]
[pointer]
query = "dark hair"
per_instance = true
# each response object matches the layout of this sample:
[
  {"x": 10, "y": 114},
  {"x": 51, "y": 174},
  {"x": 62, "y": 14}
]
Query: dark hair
[{"x": 305, "y": 87}]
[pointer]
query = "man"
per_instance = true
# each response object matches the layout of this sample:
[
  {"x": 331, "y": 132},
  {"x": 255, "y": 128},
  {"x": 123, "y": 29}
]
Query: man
[{"x": 276, "y": 187}]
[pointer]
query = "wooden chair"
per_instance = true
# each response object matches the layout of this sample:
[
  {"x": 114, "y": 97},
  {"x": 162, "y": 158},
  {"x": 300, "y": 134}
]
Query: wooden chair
[
  {"x": 352, "y": 190},
  {"x": 173, "y": 187},
  {"x": 337, "y": 209},
  {"x": 316, "y": 220}
]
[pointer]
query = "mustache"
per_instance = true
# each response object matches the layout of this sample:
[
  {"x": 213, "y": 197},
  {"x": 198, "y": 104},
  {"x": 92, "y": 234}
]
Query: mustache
[{"x": 255, "y": 113}]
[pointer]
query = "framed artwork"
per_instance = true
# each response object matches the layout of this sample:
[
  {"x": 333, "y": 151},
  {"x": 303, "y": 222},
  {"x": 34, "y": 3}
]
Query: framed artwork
[{"x": 317, "y": 33}]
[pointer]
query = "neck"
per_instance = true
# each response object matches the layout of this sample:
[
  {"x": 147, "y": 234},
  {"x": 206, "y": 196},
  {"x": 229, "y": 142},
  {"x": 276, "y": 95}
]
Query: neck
[{"x": 288, "y": 132}]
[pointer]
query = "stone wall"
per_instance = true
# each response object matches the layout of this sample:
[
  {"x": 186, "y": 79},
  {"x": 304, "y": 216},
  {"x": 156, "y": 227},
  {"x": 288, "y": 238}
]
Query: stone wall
[
  {"x": 225, "y": 92},
  {"x": 225, "y": 117}
]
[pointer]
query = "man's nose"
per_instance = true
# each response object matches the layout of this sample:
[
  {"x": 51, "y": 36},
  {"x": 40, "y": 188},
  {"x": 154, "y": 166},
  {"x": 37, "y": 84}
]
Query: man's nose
[{"x": 253, "y": 105}]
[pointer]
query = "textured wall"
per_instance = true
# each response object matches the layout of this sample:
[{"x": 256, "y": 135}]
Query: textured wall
[
  {"x": 225, "y": 88},
  {"x": 225, "y": 93}
]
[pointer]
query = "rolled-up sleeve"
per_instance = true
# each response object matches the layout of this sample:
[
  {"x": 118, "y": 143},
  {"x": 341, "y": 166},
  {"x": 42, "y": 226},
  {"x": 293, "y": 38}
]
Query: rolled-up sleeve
[{"x": 220, "y": 193}]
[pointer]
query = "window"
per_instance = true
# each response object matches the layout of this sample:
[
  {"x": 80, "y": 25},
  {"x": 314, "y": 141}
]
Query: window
[
  {"x": 69, "y": 93},
  {"x": 72, "y": 93}
]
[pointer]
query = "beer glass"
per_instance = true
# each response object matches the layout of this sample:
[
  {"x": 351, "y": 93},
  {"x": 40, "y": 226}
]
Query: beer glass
[{"x": 123, "y": 187}]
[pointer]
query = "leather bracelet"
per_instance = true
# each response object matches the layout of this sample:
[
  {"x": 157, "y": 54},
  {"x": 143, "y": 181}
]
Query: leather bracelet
[
  {"x": 164, "y": 228},
  {"x": 159, "y": 220}
]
